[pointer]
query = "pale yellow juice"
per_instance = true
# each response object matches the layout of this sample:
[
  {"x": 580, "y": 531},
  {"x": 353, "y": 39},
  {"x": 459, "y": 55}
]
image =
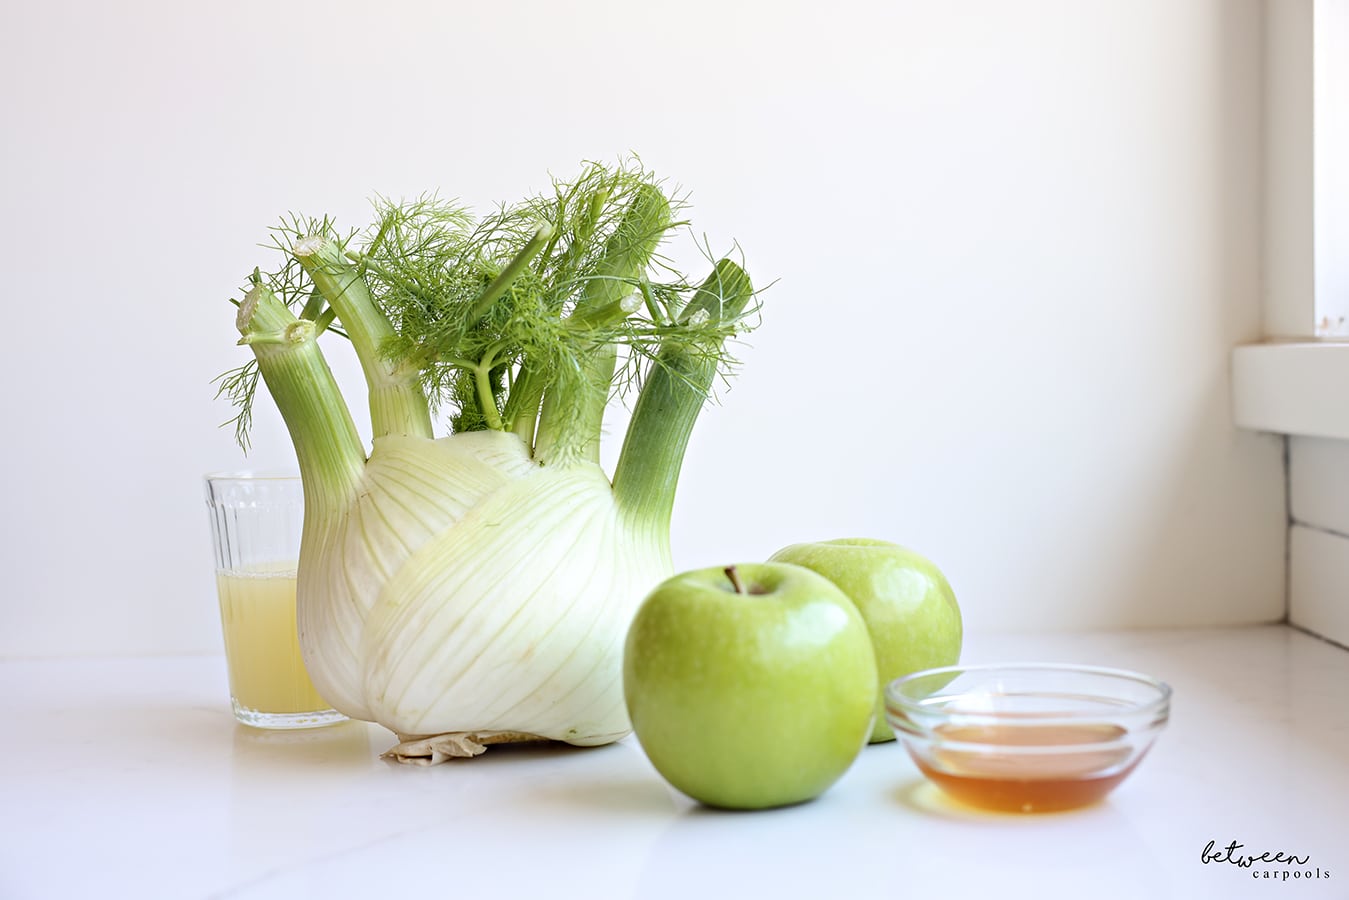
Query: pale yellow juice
[{"x": 262, "y": 644}]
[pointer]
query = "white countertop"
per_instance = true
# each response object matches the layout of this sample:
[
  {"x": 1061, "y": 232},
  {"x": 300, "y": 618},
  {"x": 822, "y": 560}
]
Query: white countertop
[{"x": 129, "y": 778}]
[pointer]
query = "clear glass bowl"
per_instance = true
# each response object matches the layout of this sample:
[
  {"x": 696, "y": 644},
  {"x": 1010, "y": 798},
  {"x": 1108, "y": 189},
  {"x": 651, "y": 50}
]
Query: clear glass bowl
[{"x": 1027, "y": 737}]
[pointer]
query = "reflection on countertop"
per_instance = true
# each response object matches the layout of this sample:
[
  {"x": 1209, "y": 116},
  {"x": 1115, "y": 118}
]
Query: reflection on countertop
[{"x": 129, "y": 777}]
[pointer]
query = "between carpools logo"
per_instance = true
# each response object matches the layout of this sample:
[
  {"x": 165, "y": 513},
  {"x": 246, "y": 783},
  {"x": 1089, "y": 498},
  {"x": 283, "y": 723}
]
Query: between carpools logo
[{"x": 1278, "y": 865}]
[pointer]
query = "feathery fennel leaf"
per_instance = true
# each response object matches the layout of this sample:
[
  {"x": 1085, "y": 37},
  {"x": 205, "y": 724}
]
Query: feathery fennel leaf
[{"x": 529, "y": 301}]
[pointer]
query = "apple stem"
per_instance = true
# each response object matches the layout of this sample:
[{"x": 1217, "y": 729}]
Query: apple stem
[{"x": 732, "y": 574}]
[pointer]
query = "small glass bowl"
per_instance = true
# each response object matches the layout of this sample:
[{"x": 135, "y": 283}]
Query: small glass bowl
[{"x": 1027, "y": 737}]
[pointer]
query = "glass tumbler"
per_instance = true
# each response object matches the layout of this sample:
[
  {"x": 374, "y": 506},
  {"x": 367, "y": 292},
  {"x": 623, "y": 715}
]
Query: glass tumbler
[{"x": 255, "y": 526}]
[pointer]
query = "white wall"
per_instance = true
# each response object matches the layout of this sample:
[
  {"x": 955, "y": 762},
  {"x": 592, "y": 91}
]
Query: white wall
[
  {"x": 1318, "y": 542},
  {"x": 1014, "y": 244}
]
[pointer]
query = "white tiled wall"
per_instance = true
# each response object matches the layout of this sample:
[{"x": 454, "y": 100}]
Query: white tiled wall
[{"x": 1319, "y": 536}]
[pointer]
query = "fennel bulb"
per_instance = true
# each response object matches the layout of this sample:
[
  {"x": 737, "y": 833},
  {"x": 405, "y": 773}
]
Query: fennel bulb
[{"x": 478, "y": 587}]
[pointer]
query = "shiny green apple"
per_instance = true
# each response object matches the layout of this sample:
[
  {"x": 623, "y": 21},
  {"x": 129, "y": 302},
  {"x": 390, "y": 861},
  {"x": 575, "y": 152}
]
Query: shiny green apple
[
  {"x": 750, "y": 686},
  {"x": 909, "y": 607}
]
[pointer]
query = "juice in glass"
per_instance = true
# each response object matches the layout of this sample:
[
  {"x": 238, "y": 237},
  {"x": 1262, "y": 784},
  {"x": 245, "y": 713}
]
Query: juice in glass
[
  {"x": 256, "y": 523},
  {"x": 262, "y": 646}
]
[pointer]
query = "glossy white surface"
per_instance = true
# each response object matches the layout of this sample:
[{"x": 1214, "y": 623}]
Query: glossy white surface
[{"x": 129, "y": 778}]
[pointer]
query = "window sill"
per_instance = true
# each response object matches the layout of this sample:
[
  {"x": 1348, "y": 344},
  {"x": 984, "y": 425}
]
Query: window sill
[{"x": 1298, "y": 388}]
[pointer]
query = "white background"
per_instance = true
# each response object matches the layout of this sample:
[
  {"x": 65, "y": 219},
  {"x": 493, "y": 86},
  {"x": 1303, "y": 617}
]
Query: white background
[{"x": 1013, "y": 245}]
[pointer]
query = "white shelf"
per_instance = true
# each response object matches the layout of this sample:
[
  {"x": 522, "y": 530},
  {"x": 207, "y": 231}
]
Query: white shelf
[
  {"x": 1299, "y": 388},
  {"x": 128, "y": 778}
]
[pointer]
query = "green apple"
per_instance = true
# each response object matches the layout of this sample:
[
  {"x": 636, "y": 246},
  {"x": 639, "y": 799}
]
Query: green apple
[
  {"x": 749, "y": 686},
  {"x": 908, "y": 606}
]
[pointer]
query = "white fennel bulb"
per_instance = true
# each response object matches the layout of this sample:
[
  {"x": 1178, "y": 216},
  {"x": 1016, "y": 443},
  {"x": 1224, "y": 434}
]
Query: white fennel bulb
[
  {"x": 477, "y": 588},
  {"x": 471, "y": 589}
]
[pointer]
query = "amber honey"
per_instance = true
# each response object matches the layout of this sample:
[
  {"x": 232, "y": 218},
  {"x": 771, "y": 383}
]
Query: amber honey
[{"x": 1079, "y": 764}]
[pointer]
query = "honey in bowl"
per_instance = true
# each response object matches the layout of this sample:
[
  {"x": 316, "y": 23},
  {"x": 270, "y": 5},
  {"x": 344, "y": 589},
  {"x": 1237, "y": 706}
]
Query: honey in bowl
[
  {"x": 1079, "y": 765},
  {"x": 1027, "y": 738}
]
